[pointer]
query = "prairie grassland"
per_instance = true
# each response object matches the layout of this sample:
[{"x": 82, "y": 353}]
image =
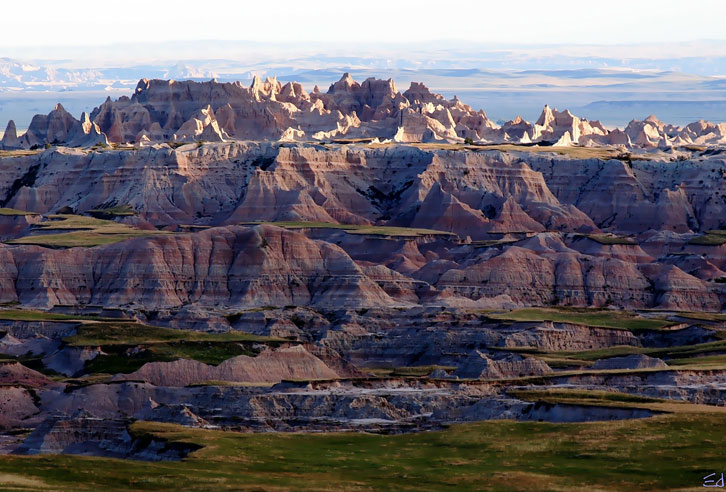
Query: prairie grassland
[{"x": 666, "y": 452}]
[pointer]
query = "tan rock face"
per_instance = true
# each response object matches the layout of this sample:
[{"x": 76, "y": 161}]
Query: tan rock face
[
  {"x": 16, "y": 374},
  {"x": 480, "y": 366},
  {"x": 268, "y": 367},
  {"x": 564, "y": 336}
]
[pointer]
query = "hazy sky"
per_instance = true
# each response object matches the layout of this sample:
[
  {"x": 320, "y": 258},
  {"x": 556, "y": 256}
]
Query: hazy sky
[{"x": 70, "y": 22}]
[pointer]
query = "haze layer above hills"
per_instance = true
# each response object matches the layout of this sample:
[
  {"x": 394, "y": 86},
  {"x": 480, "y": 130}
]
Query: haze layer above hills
[{"x": 602, "y": 83}]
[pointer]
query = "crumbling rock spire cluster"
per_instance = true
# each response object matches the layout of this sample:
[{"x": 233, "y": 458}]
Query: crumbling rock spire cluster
[{"x": 183, "y": 111}]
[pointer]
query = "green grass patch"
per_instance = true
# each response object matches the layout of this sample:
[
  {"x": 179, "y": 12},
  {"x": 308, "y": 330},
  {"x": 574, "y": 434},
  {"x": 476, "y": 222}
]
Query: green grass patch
[
  {"x": 128, "y": 346},
  {"x": 406, "y": 371},
  {"x": 582, "y": 396},
  {"x": 487, "y": 243},
  {"x": 13, "y": 211},
  {"x": 564, "y": 362},
  {"x": 118, "y": 358},
  {"x": 358, "y": 229},
  {"x": 234, "y": 317},
  {"x": 18, "y": 153},
  {"x": 711, "y": 238},
  {"x": 69, "y": 231},
  {"x": 117, "y": 211},
  {"x": 78, "y": 239},
  {"x": 28, "y": 315},
  {"x": 715, "y": 317},
  {"x": 666, "y": 452},
  {"x": 418, "y": 371},
  {"x": 121, "y": 333},
  {"x": 397, "y": 231},
  {"x": 612, "y": 399},
  {"x": 707, "y": 360},
  {"x": 61, "y": 222},
  {"x": 684, "y": 354},
  {"x": 610, "y": 239},
  {"x": 598, "y": 318}
]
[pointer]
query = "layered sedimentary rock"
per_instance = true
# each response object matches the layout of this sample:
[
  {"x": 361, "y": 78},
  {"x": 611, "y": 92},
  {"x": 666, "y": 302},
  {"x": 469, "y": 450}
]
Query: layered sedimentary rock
[
  {"x": 357, "y": 278},
  {"x": 269, "y": 367},
  {"x": 638, "y": 361},
  {"x": 480, "y": 366},
  {"x": 467, "y": 193},
  {"x": 262, "y": 265},
  {"x": 474, "y": 375},
  {"x": 524, "y": 228}
]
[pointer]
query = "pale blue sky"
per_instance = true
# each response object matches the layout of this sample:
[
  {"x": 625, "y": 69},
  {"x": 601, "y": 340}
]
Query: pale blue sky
[{"x": 70, "y": 22}]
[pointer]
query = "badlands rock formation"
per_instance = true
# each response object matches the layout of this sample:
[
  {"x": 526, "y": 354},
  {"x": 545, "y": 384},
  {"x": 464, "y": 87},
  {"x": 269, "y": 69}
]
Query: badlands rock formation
[
  {"x": 181, "y": 111},
  {"x": 475, "y": 373},
  {"x": 269, "y": 367},
  {"x": 331, "y": 272},
  {"x": 508, "y": 228}
]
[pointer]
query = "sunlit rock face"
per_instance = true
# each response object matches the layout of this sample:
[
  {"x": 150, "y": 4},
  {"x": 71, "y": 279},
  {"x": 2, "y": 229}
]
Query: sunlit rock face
[{"x": 181, "y": 111}]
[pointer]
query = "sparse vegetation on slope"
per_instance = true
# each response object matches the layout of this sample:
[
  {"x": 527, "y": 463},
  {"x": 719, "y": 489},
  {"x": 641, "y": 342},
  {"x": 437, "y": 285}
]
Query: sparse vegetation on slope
[
  {"x": 611, "y": 239},
  {"x": 683, "y": 356},
  {"x": 589, "y": 317},
  {"x": 359, "y": 229},
  {"x": 128, "y": 346},
  {"x": 603, "y": 153},
  {"x": 125, "y": 359},
  {"x": 31, "y": 315},
  {"x": 611, "y": 398},
  {"x": 121, "y": 333},
  {"x": 18, "y": 153},
  {"x": 116, "y": 211}
]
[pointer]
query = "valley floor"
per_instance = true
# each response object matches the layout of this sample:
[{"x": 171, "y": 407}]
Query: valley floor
[{"x": 666, "y": 452}]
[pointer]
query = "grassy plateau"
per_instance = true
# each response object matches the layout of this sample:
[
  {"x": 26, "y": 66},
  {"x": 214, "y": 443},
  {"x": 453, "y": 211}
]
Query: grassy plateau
[
  {"x": 711, "y": 238},
  {"x": 68, "y": 231},
  {"x": 589, "y": 317},
  {"x": 127, "y": 346},
  {"x": 12, "y": 211},
  {"x": 359, "y": 229}
]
